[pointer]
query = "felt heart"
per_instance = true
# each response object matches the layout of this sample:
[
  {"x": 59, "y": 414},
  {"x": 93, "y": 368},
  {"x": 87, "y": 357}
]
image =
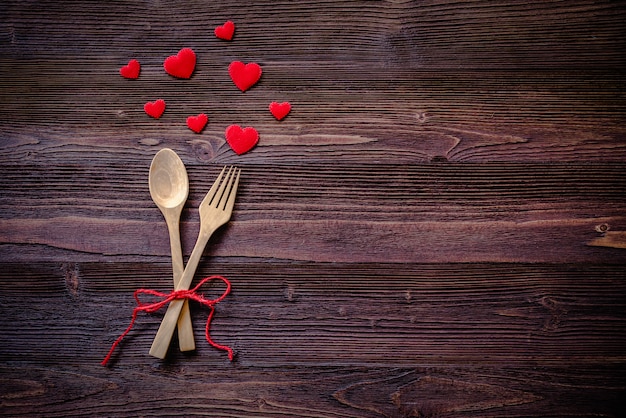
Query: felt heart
[
  {"x": 155, "y": 109},
  {"x": 182, "y": 64},
  {"x": 244, "y": 75},
  {"x": 197, "y": 123},
  {"x": 241, "y": 140},
  {"x": 130, "y": 70},
  {"x": 225, "y": 31},
  {"x": 280, "y": 110}
]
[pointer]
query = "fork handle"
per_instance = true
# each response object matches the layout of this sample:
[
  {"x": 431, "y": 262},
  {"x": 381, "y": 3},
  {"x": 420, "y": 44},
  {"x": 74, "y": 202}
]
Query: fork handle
[{"x": 164, "y": 335}]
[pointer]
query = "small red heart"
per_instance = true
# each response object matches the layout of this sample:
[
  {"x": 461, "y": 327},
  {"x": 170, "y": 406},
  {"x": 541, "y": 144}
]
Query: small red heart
[
  {"x": 241, "y": 140},
  {"x": 244, "y": 75},
  {"x": 225, "y": 31},
  {"x": 130, "y": 70},
  {"x": 155, "y": 109},
  {"x": 182, "y": 64},
  {"x": 197, "y": 123},
  {"x": 280, "y": 110}
]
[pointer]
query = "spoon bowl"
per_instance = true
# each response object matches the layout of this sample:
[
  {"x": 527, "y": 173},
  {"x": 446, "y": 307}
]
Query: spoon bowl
[
  {"x": 169, "y": 184},
  {"x": 169, "y": 188}
]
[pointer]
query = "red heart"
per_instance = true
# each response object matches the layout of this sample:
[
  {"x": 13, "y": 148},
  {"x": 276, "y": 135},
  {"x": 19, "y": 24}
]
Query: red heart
[
  {"x": 155, "y": 109},
  {"x": 280, "y": 110},
  {"x": 241, "y": 140},
  {"x": 197, "y": 123},
  {"x": 182, "y": 64},
  {"x": 244, "y": 75},
  {"x": 130, "y": 70},
  {"x": 225, "y": 31}
]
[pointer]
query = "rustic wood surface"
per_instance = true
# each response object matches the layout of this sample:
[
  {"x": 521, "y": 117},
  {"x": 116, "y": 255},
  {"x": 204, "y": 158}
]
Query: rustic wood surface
[{"x": 437, "y": 228}]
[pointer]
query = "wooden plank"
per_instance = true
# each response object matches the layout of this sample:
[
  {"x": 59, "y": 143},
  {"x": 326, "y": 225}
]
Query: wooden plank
[
  {"x": 402, "y": 83},
  {"x": 317, "y": 391},
  {"x": 377, "y": 115},
  {"x": 421, "y": 213},
  {"x": 433, "y": 34},
  {"x": 322, "y": 340},
  {"x": 561, "y": 240},
  {"x": 327, "y": 313}
]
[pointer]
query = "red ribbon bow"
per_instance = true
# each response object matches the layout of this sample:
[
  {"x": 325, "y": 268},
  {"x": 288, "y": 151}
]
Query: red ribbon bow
[{"x": 167, "y": 298}]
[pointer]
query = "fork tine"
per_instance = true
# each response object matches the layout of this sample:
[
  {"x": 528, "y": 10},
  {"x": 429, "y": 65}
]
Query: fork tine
[
  {"x": 213, "y": 190},
  {"x": 225, "y": 189},
  {"x": 215, "y": 201},
  {"x": 233, "y": 192}
]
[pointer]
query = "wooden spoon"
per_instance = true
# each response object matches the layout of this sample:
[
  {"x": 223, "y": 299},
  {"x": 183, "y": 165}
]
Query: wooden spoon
[{"x": 169, "y": 188}]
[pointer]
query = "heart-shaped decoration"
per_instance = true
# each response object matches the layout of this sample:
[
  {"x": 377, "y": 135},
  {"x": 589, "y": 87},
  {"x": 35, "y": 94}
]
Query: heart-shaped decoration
[
  {"x": 226, "y": 31},
  {"x": 155, "y": 109},
  {"x": 244, "y": 75},
  {"x": 130, "y": 70},
  {"x": 182, "y": 64},
  {"x": 197, "y": 123},
  {"x": 280, "y": 110},
  {"x": 241, "y": 140}
]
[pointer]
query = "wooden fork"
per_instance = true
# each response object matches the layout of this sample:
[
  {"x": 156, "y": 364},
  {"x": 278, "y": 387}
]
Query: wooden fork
[{"x": 215, "y": 210}]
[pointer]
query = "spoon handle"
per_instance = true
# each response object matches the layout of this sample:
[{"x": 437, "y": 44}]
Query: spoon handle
[
  {"x": 185, "y": 329},
  {"x": 168, "y": 324}
]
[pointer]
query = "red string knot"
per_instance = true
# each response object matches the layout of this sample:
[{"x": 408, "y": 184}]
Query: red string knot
[{"x": 191, "y": 294}]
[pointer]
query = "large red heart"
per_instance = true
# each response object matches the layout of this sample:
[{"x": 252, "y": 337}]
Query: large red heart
[
  {"x": 182, "y": 64},
  {"x": 225, "y": 31},
  {"x": 241, "y": 140},
  {"x": 155, "y": 109},
  {"x": 280, "y": 110},
  {"x": 130, "y": 70},
  {"x": 197, "y": 123},
  {"x": 244, "y": 75}
]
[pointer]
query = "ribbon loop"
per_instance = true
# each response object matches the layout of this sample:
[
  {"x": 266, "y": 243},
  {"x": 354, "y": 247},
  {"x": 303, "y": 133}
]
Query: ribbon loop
[{"x": 191, "y": 294}]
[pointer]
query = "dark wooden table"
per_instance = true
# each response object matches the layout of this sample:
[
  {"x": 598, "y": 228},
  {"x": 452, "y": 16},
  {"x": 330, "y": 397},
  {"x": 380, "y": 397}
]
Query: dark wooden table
[{"x": 413, "y": 240}]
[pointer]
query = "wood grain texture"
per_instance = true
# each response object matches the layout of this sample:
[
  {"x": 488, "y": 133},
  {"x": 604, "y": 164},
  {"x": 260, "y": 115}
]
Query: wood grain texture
[
  {"x": 351, "y": 392},
  {"x": 378, "y": 115},
  {"x": 613, "y": 239},
  {"x": 489, "y": 340},
  {"x": 383, "y": 314},
  {"x": 419, "y": 213},
  {"x": 433, "y": 231},
  {"x": 397, "y": 82}
]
